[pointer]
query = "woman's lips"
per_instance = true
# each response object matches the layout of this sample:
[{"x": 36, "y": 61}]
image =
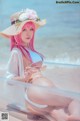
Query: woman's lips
[{"x": 28, "y": 38}]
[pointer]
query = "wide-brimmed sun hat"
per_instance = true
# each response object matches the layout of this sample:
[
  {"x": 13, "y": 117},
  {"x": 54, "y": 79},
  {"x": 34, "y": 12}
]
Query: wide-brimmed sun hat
[{"x": 18, "y": 20}]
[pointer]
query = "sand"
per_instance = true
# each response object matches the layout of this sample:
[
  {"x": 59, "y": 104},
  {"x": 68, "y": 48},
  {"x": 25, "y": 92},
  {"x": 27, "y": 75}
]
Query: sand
[{"x": 65, "y": 77}]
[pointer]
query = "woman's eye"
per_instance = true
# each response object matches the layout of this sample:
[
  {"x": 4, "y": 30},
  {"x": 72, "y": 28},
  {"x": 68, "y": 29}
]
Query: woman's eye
[{"x": 24, "y": 29}]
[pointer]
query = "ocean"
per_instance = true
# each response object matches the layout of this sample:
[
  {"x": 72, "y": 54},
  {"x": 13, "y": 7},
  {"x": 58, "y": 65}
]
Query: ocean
[{"x": 58, "y": 40}]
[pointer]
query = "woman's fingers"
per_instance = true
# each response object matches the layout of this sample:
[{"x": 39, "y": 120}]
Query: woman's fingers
[
  {"x": 28, "y": 67},
  {"x": 31, "y": 70}
]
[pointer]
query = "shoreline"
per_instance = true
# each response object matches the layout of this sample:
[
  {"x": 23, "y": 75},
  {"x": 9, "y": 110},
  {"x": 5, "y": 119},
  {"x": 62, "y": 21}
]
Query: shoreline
[{"x": 53, "y": 63}]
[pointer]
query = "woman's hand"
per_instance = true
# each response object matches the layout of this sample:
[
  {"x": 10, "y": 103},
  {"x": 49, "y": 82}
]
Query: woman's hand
[
  {"x": 18, "y": 78},
  {"x": 27, "y": 75},
  {"x": 29, "y": 71}
]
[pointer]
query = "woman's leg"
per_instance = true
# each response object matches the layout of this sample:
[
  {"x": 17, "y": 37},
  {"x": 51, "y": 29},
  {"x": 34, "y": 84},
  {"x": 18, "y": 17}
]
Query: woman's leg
[
  {"x": 40, "y": 92},
  {"x": 34, "y": 92},
  {"x": 74, "y": 110},
  {"x": 59, "y": 115}
]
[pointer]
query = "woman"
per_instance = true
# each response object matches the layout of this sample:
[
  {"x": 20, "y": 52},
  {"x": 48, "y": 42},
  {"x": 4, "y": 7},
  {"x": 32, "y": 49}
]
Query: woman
[{"x": 25, "y": 65}]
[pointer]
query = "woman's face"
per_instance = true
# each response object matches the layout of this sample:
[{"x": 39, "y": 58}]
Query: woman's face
[{"x": 27, "y": 34}]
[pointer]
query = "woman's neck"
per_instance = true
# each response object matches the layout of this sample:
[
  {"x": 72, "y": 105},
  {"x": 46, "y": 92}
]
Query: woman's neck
[{"x": 26, "y": 45}]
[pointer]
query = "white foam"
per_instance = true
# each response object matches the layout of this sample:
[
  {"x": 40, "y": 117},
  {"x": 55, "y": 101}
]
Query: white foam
[{"x": 62, "y": 62}]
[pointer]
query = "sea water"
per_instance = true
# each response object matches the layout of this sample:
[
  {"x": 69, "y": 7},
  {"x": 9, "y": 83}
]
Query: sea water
[{"x": 58, "y": 40}]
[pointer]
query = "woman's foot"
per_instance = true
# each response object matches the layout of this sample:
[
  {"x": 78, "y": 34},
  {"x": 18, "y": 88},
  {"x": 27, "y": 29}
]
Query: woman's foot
[
  {"x": 59, "y": 115},
  {"x": 73, "y": 118}
]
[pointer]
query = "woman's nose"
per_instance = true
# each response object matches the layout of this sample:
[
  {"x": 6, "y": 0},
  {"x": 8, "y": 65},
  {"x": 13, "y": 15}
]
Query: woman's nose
[{"x": 28, "y": 33}]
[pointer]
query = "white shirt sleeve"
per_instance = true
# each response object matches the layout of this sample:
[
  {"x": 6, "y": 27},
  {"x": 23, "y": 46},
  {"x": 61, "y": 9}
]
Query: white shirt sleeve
[{"x": 13, "y": 65}]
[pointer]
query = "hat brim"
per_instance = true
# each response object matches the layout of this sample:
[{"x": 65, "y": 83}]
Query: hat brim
[{"x": 16, "y": 28}]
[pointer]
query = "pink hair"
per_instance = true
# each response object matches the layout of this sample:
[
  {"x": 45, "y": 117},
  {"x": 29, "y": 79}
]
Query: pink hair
[{"x": 17, "y": 42}]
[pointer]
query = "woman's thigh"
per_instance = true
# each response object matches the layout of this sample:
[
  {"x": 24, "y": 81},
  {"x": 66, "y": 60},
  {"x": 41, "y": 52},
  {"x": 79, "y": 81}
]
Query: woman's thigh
[
  {"x": 42, "y": 81},
  {"x": 37, "y": 92}
]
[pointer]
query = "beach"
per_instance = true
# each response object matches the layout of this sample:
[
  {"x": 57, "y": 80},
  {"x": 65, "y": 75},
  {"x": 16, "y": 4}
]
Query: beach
[
  {"x": 58, "y": 41},
  {"x": 65, "y": 77}
]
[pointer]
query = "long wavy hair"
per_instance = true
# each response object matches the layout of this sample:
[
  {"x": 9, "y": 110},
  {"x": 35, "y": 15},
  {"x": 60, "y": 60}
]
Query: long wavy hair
[{"x": 16, "y": 41}]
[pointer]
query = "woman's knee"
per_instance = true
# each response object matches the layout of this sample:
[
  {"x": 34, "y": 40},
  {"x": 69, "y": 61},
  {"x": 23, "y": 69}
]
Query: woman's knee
[{"x": 74, "y": 106}]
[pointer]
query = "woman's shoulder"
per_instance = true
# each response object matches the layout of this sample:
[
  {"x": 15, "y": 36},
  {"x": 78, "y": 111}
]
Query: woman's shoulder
[
  {"x": 16, "y": 53},
  {"x": 16, "y": 50}
]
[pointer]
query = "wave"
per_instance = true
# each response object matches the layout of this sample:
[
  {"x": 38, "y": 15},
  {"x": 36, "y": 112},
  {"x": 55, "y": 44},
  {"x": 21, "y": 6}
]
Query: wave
[{"x": 62, "y": 61}]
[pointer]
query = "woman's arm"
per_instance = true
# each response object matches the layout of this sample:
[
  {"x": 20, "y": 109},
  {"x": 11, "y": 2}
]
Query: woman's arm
[{"x": 13, "y": 68}]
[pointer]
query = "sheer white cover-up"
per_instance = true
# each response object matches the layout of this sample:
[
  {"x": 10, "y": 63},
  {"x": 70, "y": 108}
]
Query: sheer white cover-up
[{"x": 15, "y": 68}]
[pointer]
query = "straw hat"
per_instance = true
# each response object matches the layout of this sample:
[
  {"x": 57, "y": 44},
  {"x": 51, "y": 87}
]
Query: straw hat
[{"x": 19, "y": 19}]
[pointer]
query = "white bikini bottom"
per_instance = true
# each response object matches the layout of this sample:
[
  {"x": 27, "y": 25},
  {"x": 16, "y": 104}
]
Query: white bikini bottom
[{"x": 35, "y": 107}]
